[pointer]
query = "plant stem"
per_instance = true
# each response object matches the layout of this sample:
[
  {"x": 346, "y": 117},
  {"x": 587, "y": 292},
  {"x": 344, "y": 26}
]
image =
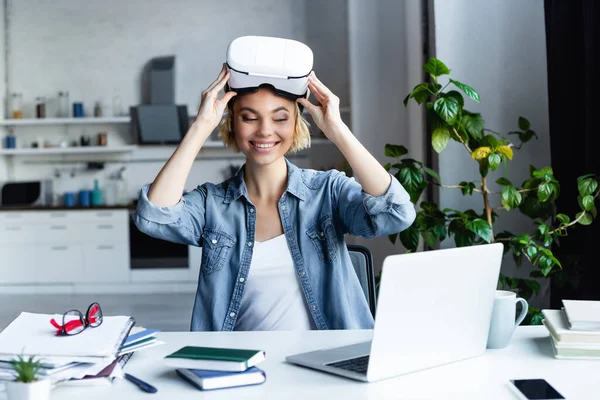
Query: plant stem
[
  {"x": 461, "y": 140},
  {"x": 486, "y": 203},
  {"x": 454, "y": 187}
]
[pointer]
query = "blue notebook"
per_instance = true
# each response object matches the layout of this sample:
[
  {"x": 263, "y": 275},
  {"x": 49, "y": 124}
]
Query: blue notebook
[{"x": 210, "y": 380}]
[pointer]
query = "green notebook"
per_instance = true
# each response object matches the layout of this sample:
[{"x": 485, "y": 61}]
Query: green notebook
[{"x": 214, "y": 358}]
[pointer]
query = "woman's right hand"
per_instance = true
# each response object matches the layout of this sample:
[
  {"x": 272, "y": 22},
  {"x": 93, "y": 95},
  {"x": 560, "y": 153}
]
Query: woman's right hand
[{"x": 211, "y": 107}]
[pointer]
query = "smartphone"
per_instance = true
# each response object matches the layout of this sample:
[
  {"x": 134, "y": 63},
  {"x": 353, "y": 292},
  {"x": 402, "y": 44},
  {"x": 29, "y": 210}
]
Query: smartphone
[{"x": 535, "y": 389}]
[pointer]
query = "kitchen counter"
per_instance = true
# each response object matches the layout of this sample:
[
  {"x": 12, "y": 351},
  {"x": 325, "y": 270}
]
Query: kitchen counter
[{"x": 64, "y": 208}]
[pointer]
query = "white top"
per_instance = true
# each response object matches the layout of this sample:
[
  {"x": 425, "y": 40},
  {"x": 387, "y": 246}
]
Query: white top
[
  {"x": 528, "y": 356},
  {"x": 273, "y": 298}
]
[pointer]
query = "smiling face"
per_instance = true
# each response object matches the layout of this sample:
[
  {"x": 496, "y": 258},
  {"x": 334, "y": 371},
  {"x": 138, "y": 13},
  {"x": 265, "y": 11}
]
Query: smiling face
[{"x": 264, "y": 126}]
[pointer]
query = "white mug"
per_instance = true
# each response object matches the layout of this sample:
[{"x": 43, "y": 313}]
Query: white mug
[{"x": 503, "y": 322}]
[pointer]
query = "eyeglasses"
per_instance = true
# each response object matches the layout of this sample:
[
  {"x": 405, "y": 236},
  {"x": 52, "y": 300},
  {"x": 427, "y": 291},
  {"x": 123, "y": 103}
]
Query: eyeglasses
[{"x": 73, "y": 321}]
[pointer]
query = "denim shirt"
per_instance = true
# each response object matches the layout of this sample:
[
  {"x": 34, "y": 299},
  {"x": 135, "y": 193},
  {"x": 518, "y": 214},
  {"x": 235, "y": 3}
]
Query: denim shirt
[{"x": 317, "y": 209}]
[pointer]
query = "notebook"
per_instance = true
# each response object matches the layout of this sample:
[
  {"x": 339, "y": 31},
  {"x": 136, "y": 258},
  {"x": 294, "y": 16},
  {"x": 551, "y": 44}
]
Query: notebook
[
  {"x": 211, "y": 380},
  {"x": 556, "y": 323},
  {"x": 583, "y": 314},
  {"x": 214, "y": 358},
  {"x": 32, "y": 334}
]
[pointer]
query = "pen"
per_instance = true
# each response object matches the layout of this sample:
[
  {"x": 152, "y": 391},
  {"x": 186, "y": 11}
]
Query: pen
[{"x": 146, "y": 387}]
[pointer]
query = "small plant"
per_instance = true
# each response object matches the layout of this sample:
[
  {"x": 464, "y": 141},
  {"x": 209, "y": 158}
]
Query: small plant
[{"x": 26, "y": 369}]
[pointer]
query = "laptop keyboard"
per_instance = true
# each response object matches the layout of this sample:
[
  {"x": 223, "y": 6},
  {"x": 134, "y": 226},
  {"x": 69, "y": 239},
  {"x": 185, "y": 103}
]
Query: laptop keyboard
[{"x": 358, "y": 364}]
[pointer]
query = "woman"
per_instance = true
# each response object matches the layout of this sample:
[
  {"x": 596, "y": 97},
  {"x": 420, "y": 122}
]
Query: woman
[{"x": 272, "y": 237}]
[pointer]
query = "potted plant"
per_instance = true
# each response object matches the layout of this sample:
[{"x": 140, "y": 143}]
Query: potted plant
[
  {"x": 26, "y": 385},
  {"x": 535, "y": 197}
]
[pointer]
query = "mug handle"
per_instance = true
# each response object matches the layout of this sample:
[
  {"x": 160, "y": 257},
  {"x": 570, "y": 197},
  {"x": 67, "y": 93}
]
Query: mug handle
[{"x": 524, "y": 310}]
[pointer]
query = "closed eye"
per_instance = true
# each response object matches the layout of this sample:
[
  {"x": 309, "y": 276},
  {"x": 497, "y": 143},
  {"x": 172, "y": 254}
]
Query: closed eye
[{"x": 248, "y": 119}]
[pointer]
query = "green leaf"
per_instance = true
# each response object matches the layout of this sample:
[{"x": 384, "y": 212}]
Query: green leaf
[
  {"x": 536, "y": 317},
  {"x": 587, "y": 186},
  {"x": 545, "y": 264},
  {"x": 481, "y": 228},
  {"x": 504, "y": 182},
  {"x": 387, "y": 166},
  {"x": 524, "y": 124},
  {"x": 447, "y": 108},
  {"x": 432, "y": 173},
  {"x": 469, "y": 91},
  {"x": 410, "y": 238},
  {"x": 440, "y": 138},
  {"x": 440, "y": 231},
  {"x": 429, "y": 238},
  {"x": 494, "y": 160},
  {"x": 544, "y": 192},
  {"x": 531, "y": 252},
  {"x": 436, "y": 68},
  {"x": 563, "y": 218},
  {"x": 586, "y": 218},
  {"x": 474, "y": 124},
  {"x": 511, "y": 198},
  {"x": 464, "y": 238},
  {"x": 394, "y": 150},
  {"x": 411, "y": 179},
  {"x": 456, "y": 95},
  {"x": 467, "y": 188},
  {"x": 588, "y": 202}
]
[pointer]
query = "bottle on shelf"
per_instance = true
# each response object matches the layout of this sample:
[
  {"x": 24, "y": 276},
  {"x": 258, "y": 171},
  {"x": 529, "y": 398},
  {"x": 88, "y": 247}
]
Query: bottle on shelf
[
  {"x": 96, "y": 194},
  {"x": 16, "y": 105},
  {"x": 64, "y": 107},
  {"x": 40, "y": 107}
]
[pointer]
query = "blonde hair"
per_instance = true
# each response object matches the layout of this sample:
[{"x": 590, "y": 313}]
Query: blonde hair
[{"x": 300, "y": 139}]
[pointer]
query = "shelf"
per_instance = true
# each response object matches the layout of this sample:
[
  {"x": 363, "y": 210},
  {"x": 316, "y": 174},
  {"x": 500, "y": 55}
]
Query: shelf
[
  {"x": 69, "y": 150},
  {"x": 65, "y": 121},
  {"x": 216, "y": 144}
]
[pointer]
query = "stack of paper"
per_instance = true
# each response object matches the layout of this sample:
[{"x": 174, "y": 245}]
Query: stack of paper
[
  {"x": 63, "y": 358},
  {"x": 583, "y": 315},
  {"x": 209, "y": 368},
  {"x": 568, "y": 342}
]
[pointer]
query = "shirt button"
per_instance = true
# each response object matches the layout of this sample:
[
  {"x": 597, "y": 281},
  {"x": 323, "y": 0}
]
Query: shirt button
[
  {"x": 283, "y": 208},
  {"x": 252, "y": 210},
  {"x": 321, "y": 234},
  {"x": 214, "y": 241},
  {"x": 291, "y": 239},
  {"x": 302, "y": 273},
  {"x": 313, "y": 308},
  {"x": 232, "y": 314},
  {"x": 242, "y": 279},
  {"x": 249, "y": 244}
]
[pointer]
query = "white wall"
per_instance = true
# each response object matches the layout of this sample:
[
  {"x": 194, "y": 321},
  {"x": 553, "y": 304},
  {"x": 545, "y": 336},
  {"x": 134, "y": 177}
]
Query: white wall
[
  {"x": 97, "y": 50},
  {"x": 498, "y": 47},
  {"x": 385, "y": 41}
]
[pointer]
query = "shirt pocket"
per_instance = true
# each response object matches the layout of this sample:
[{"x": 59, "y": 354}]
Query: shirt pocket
[
  {"x": 216, "y": 246},
  {"x": 323, "y": 237}
]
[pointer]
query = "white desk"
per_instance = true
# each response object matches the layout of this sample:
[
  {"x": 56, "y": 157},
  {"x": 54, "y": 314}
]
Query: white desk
[{"x": 485, "y": 377}]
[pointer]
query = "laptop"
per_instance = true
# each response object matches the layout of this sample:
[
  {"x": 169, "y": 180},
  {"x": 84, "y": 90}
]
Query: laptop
[{"x": 434, "y": 308}]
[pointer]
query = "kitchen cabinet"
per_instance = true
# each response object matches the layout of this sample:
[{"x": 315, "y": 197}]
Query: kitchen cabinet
[{"x": 51, "y": 247}]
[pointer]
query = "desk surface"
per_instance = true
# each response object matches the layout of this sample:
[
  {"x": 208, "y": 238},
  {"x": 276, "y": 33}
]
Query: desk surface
[{"x": 484, "y": 377}]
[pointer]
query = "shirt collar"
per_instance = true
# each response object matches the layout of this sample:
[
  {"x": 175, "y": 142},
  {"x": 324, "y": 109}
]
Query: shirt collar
[{"x": 237, "y": 187}]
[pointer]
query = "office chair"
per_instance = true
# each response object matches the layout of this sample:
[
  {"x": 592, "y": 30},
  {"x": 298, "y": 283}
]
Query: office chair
[{"x": 362, "y": 261}]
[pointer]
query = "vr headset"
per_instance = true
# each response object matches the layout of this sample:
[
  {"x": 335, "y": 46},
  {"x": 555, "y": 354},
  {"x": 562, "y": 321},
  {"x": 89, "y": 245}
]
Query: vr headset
[{"x": 261, "y": 61}]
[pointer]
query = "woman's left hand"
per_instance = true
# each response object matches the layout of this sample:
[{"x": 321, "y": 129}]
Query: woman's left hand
[{"x": 327, "y": 114}]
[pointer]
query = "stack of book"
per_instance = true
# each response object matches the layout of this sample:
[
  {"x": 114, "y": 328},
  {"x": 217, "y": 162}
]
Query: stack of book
[
  {"x": 209, "y": 368},
  {"x": 575, "y": 329}
]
